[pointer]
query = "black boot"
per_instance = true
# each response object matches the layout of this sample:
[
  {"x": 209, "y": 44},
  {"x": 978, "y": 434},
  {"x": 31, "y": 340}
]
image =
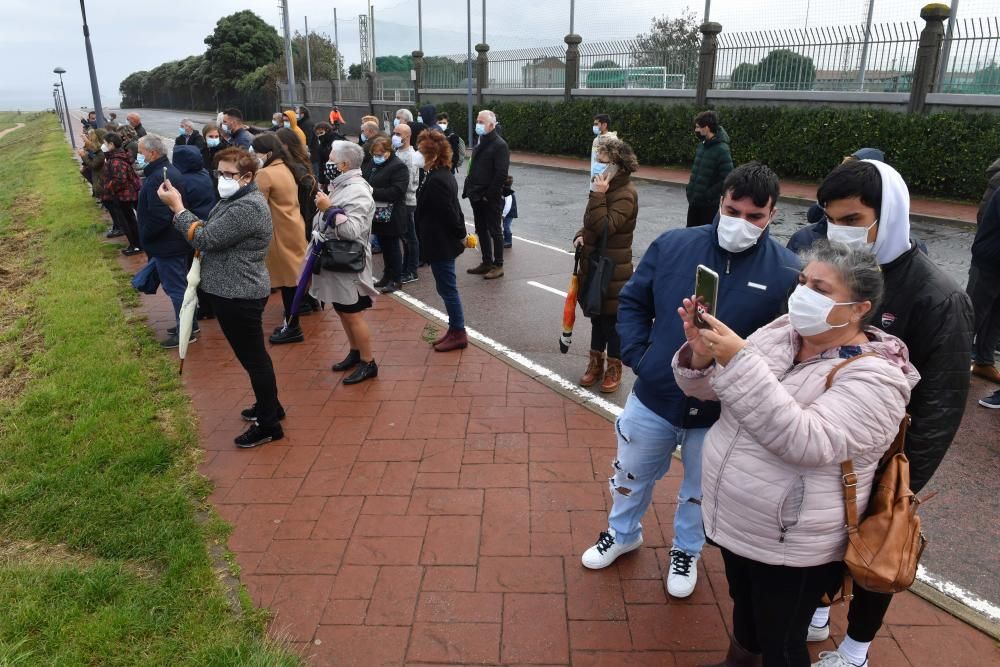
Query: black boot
[
  {"x": 349, "y": 362},
  {"x": 739, "y": 657},
  {"x": 365, "y": 370}
]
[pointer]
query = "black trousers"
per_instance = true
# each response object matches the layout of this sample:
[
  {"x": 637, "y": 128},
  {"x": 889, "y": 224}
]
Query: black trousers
[
  {"x": 604, "y": 335},
  {"x": 241, "y": 321},
  {"x": 866, "y": 612},
  {"x": 287, "y": 296},
  {"x": 772, "y": 606},
  {"x": 488, "y": 217},
  {"x": 984, "y": 290},
  {"x": 699, "y": 214},
  {"x": 392, "y": 255}
]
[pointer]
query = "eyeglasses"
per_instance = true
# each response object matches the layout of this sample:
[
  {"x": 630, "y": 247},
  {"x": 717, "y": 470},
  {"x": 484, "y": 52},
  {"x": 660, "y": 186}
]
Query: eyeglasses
[{"x": 218, "y": 173}]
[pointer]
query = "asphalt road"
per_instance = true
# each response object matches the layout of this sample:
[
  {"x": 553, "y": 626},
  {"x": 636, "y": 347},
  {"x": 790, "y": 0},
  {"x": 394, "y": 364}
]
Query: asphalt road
[{"x": 519, "y": 312}]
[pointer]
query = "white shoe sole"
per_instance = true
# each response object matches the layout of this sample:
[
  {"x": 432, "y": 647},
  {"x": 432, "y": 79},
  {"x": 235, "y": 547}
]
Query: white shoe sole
[
  {"x": 989, "y": 405},
  {"x": 629, "y": 548},
  {"x": 818, "y": 634}
]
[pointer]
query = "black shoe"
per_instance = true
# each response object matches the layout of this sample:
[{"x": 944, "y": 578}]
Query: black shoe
[
  {"x": 172, "y": 331},
  {"x": 383, "y": 281},
  {"x": 113, "y": 233},
  {"x": 171, "y": 342},
  {"x": 365, "y": 370},
  {"x": 306, "y": 307},
  {"x": 409, "y": 278},
  {"x": 376, "y": 251},
  {"x": 250, "y": 414},
  {"x": 352, "y": 359},
  {"x": 289, "y": 335},
  {"x": 390, "y": 288},
  {"x": 258, "y": 435},
  {"x": 128, "y": 252}
]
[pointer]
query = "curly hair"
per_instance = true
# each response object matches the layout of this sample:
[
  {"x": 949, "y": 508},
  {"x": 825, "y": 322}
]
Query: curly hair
[
  {"x": 246, "y": 162},
  {"x": 619, "y": 153},
  {"x": 436, "y": 150},
  {"x": 381, "y": 142}
]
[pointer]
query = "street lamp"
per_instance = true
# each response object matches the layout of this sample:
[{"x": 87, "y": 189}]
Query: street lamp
[
  {"x": 69, "y": 124},
  {"x": 93, "y": 72},
  {"x": 59, "y": 110}
]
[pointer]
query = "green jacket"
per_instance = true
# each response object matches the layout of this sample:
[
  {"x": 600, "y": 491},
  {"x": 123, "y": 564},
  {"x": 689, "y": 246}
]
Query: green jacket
[{"x": 712, "y": 163}]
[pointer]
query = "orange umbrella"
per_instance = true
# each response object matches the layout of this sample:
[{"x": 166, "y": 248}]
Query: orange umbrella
[{"x": 569, "y": 307}]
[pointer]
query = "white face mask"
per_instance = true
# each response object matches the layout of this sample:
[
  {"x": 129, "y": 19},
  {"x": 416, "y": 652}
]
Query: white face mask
[
  {"x": 228, "y": 187},
  {"x": 105, "y": 148},
  {"x": 808, "y": 310},
  {"x": 736, "y": 234},
  {"x": 852, "y": 237}
]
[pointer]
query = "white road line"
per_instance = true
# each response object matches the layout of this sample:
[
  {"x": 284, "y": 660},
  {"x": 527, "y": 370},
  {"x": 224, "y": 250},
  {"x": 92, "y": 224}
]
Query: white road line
[
  {"x": 519, "y": 358},
  {"x": 956, "y": 592},
  {"x": 537, "y": 243},
  {"x": 547, "y": 288}
]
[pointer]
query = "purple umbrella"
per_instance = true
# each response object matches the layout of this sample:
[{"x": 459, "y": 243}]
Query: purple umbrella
[{"x": 312, "y": 254}]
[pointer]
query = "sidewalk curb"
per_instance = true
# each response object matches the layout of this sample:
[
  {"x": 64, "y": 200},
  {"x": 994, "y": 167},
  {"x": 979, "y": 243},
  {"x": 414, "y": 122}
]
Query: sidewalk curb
[
  {"x": 954, "y": 607},
  {"x": 788, "y": 199}
]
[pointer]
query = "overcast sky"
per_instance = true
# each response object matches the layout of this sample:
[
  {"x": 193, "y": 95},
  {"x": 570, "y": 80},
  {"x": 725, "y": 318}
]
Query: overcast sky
[{"x": 39, "y": 35}]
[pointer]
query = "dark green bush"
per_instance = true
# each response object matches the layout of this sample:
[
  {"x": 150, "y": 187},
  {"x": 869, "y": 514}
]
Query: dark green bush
[{"x": 940, "y": 155}]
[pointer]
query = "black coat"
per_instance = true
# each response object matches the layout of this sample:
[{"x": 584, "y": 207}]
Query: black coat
[
  {"x": 199, "y": 190},
  {"x": 389, "y": 182},
  {"x": 986, "y": 246},
  {"x": 488, "y": 171},
  {"x": 195, "y": 140},
  {"x": 156, "y": 222},
  {"x": 312, "y": 143},
  {"x": 439, "y": 220}
]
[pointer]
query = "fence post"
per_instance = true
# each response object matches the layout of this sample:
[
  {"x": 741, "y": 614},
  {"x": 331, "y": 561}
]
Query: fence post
[
  {"x": 370, "y": 81},
  {"x": 706, "y": 60},
  {"x": 482, "y": 71},
  {"x": 572, "y": 64},
  {"x": 925, "y": 67},
  {"x": 418, "y": 75}
]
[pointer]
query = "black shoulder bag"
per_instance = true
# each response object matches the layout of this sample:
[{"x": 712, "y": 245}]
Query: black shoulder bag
[
  {"x": 341, "y": 255},
  {"x": 600, "y": 268}
]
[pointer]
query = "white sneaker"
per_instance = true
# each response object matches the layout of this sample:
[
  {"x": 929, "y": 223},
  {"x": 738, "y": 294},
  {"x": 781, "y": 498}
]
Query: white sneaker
[
  {"x": 683, "y": 573},
  {"x": 606, "y": 551},
  {"x": 818, "y": 634},
  {"x": 836, "y": 659}
]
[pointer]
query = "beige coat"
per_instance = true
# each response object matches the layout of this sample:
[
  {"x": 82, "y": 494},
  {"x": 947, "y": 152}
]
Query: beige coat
[
  {"x": 287, "y": 251},
  {"x": 771, "y": 464}
]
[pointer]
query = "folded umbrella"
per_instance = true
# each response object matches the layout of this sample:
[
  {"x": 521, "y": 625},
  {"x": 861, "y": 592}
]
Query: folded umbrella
[
  {"x": 569, "y": 307},
  {"x": 185, "y": 323},
  {"x": 312, "y": 256}
]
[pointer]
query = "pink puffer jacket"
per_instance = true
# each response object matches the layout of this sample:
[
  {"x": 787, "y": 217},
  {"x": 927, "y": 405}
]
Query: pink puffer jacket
[{"x": 771, "y": 464}]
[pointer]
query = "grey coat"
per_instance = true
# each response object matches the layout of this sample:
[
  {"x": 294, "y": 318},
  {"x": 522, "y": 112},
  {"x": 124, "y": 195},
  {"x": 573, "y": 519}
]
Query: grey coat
[
  {"x": 233, "y": 243},
  {"x": 352, "y": 193}
]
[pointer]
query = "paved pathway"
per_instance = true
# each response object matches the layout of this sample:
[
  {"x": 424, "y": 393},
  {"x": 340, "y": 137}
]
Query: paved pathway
[
  {"x": 4, "y": 133},
  {"x": 436, "y": 515}
]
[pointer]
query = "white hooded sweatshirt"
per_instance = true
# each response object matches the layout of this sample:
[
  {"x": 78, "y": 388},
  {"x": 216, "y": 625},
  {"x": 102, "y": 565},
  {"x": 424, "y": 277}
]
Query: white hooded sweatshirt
[{"x": 893, "y": 238}]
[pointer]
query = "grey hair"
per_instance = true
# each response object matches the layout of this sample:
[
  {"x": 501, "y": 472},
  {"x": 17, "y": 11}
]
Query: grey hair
[
  {"x": 857, "y": 267},
  {"x": 369, "y": 125},
  {"x": 349, "y": 152},
  {"x": 153, "y": 144},
  {"x": 187, "y": 122},
  {"x": 406, "y": 113},
  {"x": 489, "y": 114}
]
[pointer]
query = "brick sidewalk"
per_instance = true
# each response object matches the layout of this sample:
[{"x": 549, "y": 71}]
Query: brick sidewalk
[
  {"x": 932, "y": 210},
  {"x": 437, "y": 515}
]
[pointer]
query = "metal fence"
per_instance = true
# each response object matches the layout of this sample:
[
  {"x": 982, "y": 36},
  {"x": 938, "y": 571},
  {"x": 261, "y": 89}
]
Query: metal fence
[
  {"x": 634, "y": 64},
  {"x": 973, "y": 58}
]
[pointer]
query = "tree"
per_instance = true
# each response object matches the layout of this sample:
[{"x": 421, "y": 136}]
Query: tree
[
  {"x": 781, "y": 69},
  {"x": 744, "y": 76},
  {"x": 355, "y": 72},
  {"x": 605, "y": 79},
  {"x": 987, "y": 80},
  {"x": 132, "y": 87},
  {"x": 241, "y": 43},
  {"x": 671, "y": 43},
  {"x": 322, "y": 56},
  {"x": 440, "y": 72},
  {"x": 393, "y": 63}
]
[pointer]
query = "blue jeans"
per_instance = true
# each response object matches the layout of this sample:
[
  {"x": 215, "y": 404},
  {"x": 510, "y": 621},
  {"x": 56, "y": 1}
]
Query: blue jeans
[
  {"x": 173, "y": 278},
  {"x": 411, "y": 245},
  {"x": 447, "y": 288},
  {"x": 646, "y": 442},
  {"x": 508, "y": 236}
]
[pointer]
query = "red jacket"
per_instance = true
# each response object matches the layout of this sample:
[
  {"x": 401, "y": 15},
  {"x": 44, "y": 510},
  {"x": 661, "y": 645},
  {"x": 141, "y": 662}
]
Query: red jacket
[{"x": 121, "y": 183}]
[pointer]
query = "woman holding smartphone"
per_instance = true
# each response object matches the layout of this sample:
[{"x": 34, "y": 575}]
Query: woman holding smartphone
[{"x": 612, "y": 209}]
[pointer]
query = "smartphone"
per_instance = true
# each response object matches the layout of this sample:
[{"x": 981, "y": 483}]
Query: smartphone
[
  {"x": 706, "y": 294},
  {"x": 608, "y": 174},
  {"x": 164, "y": 174}
]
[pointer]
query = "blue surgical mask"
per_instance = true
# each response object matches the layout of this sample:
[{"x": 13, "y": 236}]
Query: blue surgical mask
[
  {"x": 378, "y": 159},
  {"x": 480, "y": 129},
  {"x": 225, "y": 128},
  {"x": 140, "y": 160},
  {"x": 597, "y": 130},
  {"x": 180, "y": 132},
  {"x": 364, "y": 137},
  {"x": 598, "y": 168},
  {"x": 420, "y": 119},
  {"x": 288, "y": 124},
  {"x": 395, "y": 122},
  {"x": 212, "y": 142}
]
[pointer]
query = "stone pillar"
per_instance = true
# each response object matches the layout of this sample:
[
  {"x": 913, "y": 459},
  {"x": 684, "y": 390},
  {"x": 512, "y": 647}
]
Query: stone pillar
[
  {"x": 926, "y": 66},
  {"x": 706, "y": 61},
  {"x": 418, "y": 81},
  {"x": 482, "y": 71},
  {"x": 572, "y": 65}
]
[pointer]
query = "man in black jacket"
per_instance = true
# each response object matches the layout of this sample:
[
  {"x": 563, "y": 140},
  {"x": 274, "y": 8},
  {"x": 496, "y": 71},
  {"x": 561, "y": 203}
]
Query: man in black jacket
[
  {"x": 867, "y": 204},
  {"x": 457, "y": 146},
  {"x": 984, "y": 290},
  {"x": 484, "y": 190},
  {"x": 188, "y": 135}
]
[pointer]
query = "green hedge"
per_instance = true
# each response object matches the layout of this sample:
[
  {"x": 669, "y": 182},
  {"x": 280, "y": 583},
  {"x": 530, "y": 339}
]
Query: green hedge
[{"x": 940, "y": 155}]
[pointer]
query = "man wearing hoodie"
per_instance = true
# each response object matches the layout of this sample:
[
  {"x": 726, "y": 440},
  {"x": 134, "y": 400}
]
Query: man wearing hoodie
[
  {"x": 712, "y": 163},
  {"x": 602, "y": 130},
  {"x": 867, "y": 204},
  {"x": 195, "y": 183}
]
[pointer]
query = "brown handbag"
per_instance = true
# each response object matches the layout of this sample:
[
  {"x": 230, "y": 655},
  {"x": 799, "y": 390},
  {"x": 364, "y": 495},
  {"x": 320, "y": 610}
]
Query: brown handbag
[{"x": 885, "y": 546}]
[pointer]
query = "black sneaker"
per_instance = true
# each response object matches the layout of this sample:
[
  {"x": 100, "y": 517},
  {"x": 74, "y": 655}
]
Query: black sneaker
[
  {"x": 113, "y": 233},
  {"x": 250, "y": 414},
  {"x": 258, "y": 435},
  {"x": 390, "y": 288},
  {"x": 383, "y": 281},
  {"x": 171, "y": 341},
  {"x": 128, "y": 252},
  {"x": 364, "y": 371},
  {"x": 289, "y": 335},
  {"x": 172, "y": 331},
  {"x": 992, "y": 401},
  {"x": 409, "y": 278}
]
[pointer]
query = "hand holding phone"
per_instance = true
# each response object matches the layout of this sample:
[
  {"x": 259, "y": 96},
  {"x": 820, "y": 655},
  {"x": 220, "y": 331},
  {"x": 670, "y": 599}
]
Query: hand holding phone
[{"x": 706, "y": 291}]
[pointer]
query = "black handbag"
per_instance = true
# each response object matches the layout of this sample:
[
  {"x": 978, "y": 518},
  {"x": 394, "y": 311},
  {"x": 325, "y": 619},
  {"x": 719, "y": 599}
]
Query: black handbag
[
  {"x": 599, "y": 272},
  {"x": 341, "y": 255}
]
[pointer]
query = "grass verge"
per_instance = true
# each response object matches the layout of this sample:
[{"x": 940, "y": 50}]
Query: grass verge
[{"x": 104, "y": 554}]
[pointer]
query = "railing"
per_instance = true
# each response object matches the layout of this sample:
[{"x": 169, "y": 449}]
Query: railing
[
  {"x": 447, "y": 71},
  {"x": 829, "y": 58},
  {"x": 973, "y": 65},
  {"x": 636, "y": 64}
]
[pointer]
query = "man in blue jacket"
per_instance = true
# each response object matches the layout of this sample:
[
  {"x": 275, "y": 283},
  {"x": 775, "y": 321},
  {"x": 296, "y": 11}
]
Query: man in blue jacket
[
  {"x": 163, "y": 244},
  {"x": 755, "y": 276}
]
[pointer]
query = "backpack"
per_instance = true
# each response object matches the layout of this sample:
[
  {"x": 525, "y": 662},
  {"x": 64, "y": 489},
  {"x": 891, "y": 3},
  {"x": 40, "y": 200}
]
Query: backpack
[{"x": 885, "y": 546}]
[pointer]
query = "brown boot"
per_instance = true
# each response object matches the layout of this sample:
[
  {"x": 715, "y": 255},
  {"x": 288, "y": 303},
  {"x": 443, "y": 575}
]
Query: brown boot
[
  {"x": 987, "y": 372},
  {"x": 494, "y": 273},
  {"x": 482, "y": 269},
  {"x": 455, "y": 339},
  {"x": 441, "y": 337},
  {"x": 612, "y": 376},
  {"x": 595, "y": 370},
  {"x": 739, "y": 657}
]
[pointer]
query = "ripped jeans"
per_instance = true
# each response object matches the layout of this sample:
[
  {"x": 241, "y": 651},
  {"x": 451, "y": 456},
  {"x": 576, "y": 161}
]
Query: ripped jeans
[{"x": 646, "y": 442}]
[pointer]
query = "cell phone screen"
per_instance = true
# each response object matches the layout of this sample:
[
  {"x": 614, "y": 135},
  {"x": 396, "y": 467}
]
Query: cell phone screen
[{"x": 706, "y": 292}]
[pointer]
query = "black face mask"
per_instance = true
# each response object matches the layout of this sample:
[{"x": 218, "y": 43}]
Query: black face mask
[{"x": 331, "y": 171}]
